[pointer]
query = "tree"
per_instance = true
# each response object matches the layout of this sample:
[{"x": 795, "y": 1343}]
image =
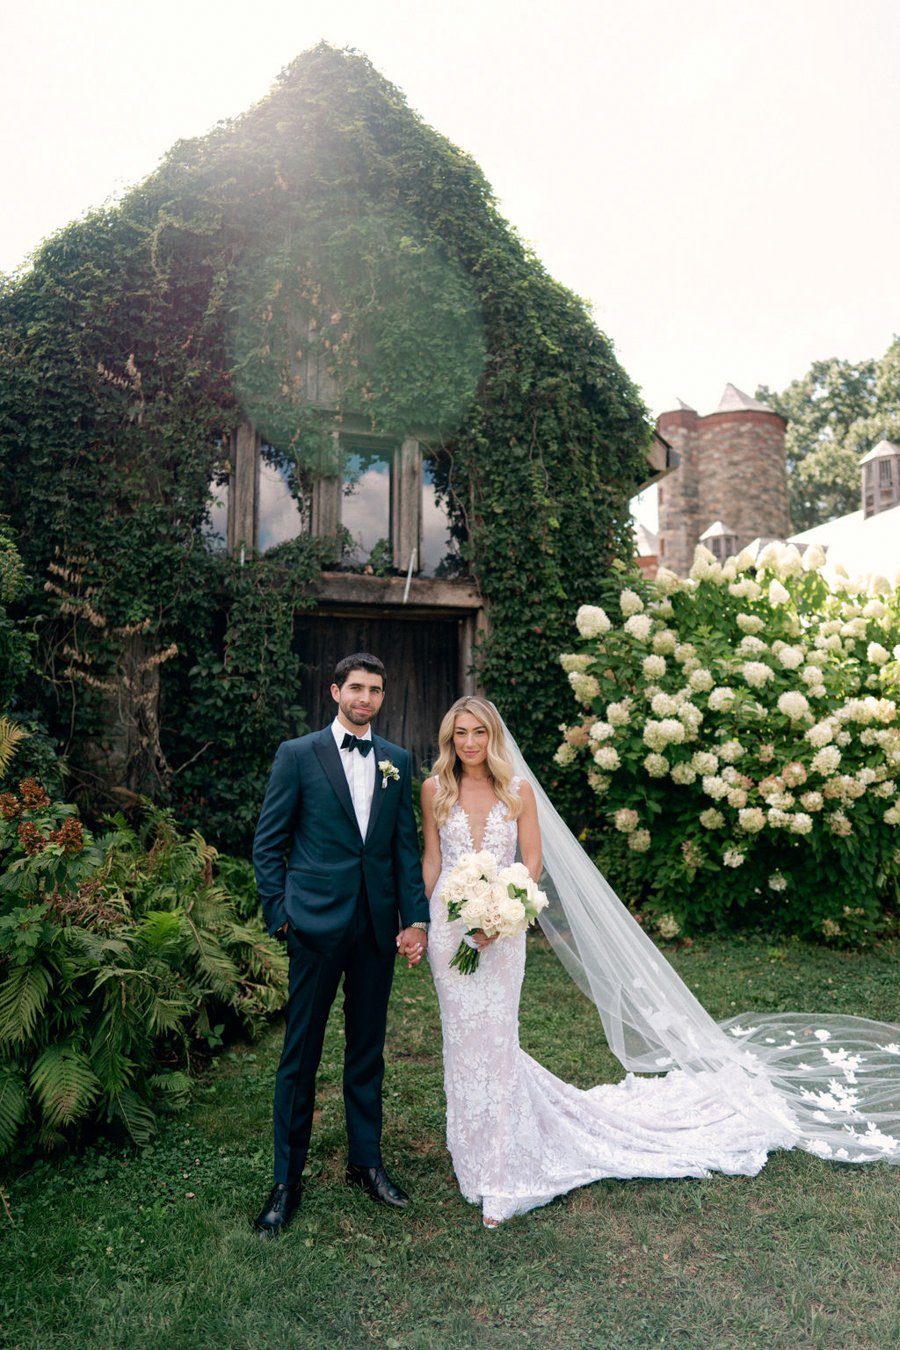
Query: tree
[{"x": 836, "y": 412}]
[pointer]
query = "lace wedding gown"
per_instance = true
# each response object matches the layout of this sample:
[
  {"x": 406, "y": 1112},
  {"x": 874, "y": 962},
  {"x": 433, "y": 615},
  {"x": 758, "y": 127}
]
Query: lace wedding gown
[{"x": 518, "y": 1136}]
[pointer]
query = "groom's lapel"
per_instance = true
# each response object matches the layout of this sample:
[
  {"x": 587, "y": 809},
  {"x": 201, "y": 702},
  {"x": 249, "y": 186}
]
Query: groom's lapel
[
  {"x": 379, "y": 752},
  {"x": 330, "y": 759}
]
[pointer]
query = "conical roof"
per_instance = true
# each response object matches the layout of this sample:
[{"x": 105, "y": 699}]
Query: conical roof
[{"x": 735, "y": 400}]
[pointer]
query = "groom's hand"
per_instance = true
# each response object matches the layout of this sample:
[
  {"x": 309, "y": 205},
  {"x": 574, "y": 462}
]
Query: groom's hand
[{"x": 411, "y": 943}]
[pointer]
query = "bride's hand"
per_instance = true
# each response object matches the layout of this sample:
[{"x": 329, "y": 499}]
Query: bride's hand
[{"x": 481, "y": 939}]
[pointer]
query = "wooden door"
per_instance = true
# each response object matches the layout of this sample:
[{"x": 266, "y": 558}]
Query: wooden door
[{"x": 420, "y": 655}]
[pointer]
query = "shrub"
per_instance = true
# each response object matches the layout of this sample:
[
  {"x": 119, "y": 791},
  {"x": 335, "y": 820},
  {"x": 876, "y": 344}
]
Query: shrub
[
  {"x": 739, "y": 731},
  {"x": 119, "y": 955}
]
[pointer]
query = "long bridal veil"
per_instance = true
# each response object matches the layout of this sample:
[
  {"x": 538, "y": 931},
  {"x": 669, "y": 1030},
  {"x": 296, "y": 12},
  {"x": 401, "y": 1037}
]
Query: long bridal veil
[{"x": 826, "y": 1083}]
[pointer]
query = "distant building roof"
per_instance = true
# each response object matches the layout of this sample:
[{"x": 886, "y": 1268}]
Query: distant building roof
[
  {"x": 717, "y": 530},
  {"x": 863, "y": 546},
  {"x": 647, "y": 542},
  {"x": 883, "y": 450},
  {"x": 735, "y": 400}
]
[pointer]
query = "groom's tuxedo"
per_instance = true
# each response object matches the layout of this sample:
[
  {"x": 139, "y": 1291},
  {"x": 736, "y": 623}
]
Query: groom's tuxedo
[{"x": 344, "y": 895}]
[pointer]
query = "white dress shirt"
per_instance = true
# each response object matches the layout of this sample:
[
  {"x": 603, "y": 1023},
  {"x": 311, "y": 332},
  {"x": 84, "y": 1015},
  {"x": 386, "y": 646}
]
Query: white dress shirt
[{"x": 360, "y": 772}]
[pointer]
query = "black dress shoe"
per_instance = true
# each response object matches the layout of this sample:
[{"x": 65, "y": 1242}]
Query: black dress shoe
[
  {"x": 278, "y": 1210},
  {"x": 377, "y": 1184}
]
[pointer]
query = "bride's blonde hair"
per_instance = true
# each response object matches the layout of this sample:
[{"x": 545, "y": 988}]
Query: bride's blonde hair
[{"x": 448, "y": 768}]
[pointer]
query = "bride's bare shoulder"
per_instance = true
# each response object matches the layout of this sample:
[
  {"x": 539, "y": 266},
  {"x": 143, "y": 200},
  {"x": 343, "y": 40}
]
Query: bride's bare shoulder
[
  {"x": 429, "y": 788},
  {"x": 525, "y": 790}
]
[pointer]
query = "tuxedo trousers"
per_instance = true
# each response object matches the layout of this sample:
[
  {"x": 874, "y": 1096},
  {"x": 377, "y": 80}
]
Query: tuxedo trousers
[{"x": 314, "y": 980}]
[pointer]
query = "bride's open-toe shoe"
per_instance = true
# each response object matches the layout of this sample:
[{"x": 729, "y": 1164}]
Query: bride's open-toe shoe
[{"x": 488, "y": 1222}]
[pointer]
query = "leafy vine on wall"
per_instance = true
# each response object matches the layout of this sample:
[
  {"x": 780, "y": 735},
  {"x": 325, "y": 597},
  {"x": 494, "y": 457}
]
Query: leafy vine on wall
[{"x": 327, "y": 232}]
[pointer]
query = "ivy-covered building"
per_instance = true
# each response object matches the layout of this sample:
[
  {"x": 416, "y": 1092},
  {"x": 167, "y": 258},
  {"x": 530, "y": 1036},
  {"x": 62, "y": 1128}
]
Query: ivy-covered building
[{"x": 302, "y": 391}]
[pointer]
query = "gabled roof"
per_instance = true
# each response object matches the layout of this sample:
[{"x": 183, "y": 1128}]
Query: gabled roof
[{"x": 717, "y": 530}]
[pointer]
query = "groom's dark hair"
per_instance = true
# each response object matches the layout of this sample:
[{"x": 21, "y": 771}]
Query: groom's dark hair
[{"x": 358, "y": 661}]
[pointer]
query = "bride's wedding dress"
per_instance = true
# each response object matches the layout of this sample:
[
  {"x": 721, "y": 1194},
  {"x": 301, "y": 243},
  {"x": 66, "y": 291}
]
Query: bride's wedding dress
[{"x": 519, "y": 1136}]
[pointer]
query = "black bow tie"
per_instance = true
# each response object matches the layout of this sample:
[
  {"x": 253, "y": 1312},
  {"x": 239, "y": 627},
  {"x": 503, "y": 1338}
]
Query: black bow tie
[{"x": 351, "y": 742}]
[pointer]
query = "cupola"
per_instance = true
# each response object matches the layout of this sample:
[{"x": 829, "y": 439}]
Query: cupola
[{"x": 880, "y": 478}]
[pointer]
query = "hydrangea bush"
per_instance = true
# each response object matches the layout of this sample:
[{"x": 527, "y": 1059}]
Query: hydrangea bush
[{"x": 739, "y": 730}]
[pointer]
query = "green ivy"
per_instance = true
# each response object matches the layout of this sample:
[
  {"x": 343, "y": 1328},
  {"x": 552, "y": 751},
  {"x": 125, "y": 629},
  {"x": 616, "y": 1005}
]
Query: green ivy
[{"x": 328, "y": 223}]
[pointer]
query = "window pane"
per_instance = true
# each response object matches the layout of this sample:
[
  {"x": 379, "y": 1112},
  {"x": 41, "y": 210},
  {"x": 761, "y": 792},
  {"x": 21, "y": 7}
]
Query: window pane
[
  {"x": 439, "y": 554},
  {"x": 366, "y": 499},
  {"x": 280, "y": 516},
  {"x": 215, "y": 528}
]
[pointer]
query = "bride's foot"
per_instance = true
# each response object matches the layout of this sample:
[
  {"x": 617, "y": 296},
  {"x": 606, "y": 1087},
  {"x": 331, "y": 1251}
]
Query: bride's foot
[{"x": 491, "y": 1223}]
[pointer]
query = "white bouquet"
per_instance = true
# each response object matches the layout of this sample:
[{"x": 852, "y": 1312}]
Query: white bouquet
[{"x": 500, "y": 901}]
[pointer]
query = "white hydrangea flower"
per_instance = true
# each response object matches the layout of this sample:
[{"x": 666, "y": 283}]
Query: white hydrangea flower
[
  {"x": 793, "y": 704},
  {"x": 721, "y": 698},
  {"x": 668, "y": 731},
  {"x": 692, "y": 718},
  {"x": 598, "y": 782},
  {"x": 891, "y": 816},
  {"x": 731, "y": 751},
  {"x": 840, "y": 825},
  {"x": 744, "y": 560},
  {"x": 877, "y": 654},
  {"x": 791, "y": 657},
  {"x": 715, "y": 786},
  {"x": 575, "y": 661},
  {"x": 751, "y": 819},
  {"x": 667, "y": 926},
  {"x": 704, "y": 761},
  {"x": 683, "y": 774},
  {"x": 750, "y": 623},
  {"x": 711, "y": 819},
  {"x": 814, "y": 558},
  {"x": 811, "y": 675},
  {"x": 745, "y": 589},
  {"x": 619, "y": 714},
  {"x": 700, "y": 680},
  {"x": 737, "y": 798},
  {"x": 661, "y": 608},
  {"x": 654, "y": 667},
  {"x": 685, "y": 651},
  {"x": 657, "y": 766},
  {"x": 777, "y": 594},
  {"x": 626, "y": 820},
  {"x": 777, "y": 818},
  {"x": 565, "y": 754},
  {"x": 706, "y": 566},
  {"x": 843, "y": 739},
  {"x": 800, "y": 823},
  {"x": 639, "y": 842},
  {"x": 733, "y": 857},
  {"x": 812, "y": 801},
  {"x": 820, "y": 734},
  {"x": 826, "y": 760},
  {"x": 756, "y": 673},
  {"x": 875, "y": 609},
  {"x": 639, "y": 627},
  {"x": 667, "y": 583},
  {"x": 630, "y": 603},
  {"x": 606, "y": 757},
  {"x": 665, "y": 641},
  {"x": 855, "y": 628},
  {"x": 664, "y": 705},
  {"x": 601, "y": 731},
  {"x": 751, "y": 643},
  {"x": 592, "y": 621},
  {"x": 585, "y": 687},
  {"x": 777, "y": 882},
  {"x": 866, "y": 775}
]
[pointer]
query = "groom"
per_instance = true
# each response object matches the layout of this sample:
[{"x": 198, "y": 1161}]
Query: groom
[{"x": 337, "y": 870}]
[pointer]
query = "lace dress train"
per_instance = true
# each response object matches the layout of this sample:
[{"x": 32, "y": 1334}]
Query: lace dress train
[{"x": 519, "y": 1136}]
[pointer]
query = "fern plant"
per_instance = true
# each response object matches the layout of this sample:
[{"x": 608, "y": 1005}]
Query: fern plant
[{"x": 118, "y": 954}]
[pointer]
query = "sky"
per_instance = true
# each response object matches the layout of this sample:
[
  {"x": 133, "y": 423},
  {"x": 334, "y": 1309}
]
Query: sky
[{"x": 717, "y": 178}]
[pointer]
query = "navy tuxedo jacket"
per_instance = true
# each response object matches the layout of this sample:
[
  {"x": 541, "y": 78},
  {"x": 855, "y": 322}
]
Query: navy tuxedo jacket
[{"x": 310, "y": 858}]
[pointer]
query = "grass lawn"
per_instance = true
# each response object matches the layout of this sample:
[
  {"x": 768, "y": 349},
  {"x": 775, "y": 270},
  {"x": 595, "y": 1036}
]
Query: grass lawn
[{"x": 153, "y": 1248}]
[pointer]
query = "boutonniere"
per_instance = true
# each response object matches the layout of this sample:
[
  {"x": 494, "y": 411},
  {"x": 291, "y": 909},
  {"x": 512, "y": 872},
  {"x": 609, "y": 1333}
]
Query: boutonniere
[{"x": 388, "y": 770}]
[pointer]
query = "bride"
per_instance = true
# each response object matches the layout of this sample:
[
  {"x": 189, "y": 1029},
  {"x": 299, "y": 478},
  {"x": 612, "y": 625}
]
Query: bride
[{"x": 721, "y": 1096}]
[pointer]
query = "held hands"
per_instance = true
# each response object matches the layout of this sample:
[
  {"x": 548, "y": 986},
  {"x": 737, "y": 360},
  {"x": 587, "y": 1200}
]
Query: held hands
[
  {"x": 481, "y": 939},
  {"x": 411, "y": 943}
]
